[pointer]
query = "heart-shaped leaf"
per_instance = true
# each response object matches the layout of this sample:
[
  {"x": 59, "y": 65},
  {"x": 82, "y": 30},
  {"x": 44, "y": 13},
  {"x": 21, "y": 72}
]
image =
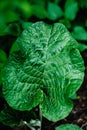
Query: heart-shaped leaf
[{"x": 47, "y": 71}]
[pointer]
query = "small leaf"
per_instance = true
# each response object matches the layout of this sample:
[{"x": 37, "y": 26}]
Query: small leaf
[
  {"x": 10, "y": 16},
  {"x": 25, "y": 7},
  {"x": 3, "y": 26},
  {"x": 1, "y": 75},
  {"x": 39, "y": 11},
  {"x": 54, "y": 11},
  {"x": 12, "y": 29},
  {"x": 71, "y": 9},
  {"x": 3, "y": 60},
  {"x": 68, "y": 127},
  {"x": 26, "y": 24},
  {"x": 3, "y": 56},
  {"x": 79, "y": 33},
  {"x": 14, "y": 47},
  {"x": 66, "y": 22},
  {"x": 82, "y": 47},
  {"x": 56, "y": 1},
  {"x": 74, "y": 96}
]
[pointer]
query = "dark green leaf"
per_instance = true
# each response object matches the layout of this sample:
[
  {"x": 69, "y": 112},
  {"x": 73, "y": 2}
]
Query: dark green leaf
[
  {"x": 26, "y": 24},
  {"x": 74, "y": 96},
  {"x": 79, "y": 33},
  {"x": 3, "y": 59},
  {"x": 39, "y": 11},
  {"x": 3, "y": 56},
  {"x": 26, "y": 8},
  {"x": 12, "y": 29},
  {"x": 10, "y": 16},
  {"x": 71, "y": 9},
  {"x": 3, "y": 26},
  {"x": 14, "y": 47},
  {"x": 66, "y": 22},
  {"x": 54, "y": 11},
  {"x": 82, "y": 46}
]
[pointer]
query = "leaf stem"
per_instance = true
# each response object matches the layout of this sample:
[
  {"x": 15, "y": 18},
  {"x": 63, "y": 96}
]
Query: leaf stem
[{"x": 40, "y": 114}]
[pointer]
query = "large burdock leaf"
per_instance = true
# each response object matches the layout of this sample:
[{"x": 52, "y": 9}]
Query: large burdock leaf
[{"x": 47, "y": 71}]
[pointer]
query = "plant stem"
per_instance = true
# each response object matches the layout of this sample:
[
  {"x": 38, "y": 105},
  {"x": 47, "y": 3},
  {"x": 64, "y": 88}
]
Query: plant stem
[{"x": 40, "y": 113}]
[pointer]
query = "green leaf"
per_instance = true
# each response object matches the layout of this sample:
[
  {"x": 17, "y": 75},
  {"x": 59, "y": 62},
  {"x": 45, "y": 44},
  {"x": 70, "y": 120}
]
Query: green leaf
[
  {"x": 56, "y": 1},
  {"x": 26, "y": 24},
  {"x": 79, "y": 33},
  {"x": 68, "y": 127},
  {"x": 54, "y": 11},
  {"x": 66, "y": 22},
  {"x": 14, "y": 47},
  {"x": 82, "y": 47},
  {"x": 10, "y": 16},
  {"x": 3, "y": 56},
  {"x": 2, "y": 28},
  {"x": 3, "y": 59},
  {"x": 39, "y": 11},
  {"x": 74, "y": 96},
  {"x": 25, "y": 7},
  {"x": 47, "y": 71},
  {"x": 71, "y": 9},
  {"x": 12, "y": 29},
  {"x": 5, "y": 18}
]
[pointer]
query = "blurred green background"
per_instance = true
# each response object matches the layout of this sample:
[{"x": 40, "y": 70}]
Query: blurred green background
[{"x": 15, "y": 15}]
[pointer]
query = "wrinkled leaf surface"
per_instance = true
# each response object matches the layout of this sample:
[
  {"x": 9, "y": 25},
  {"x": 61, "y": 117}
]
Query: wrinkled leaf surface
[{"x": 47, "y": 71}]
